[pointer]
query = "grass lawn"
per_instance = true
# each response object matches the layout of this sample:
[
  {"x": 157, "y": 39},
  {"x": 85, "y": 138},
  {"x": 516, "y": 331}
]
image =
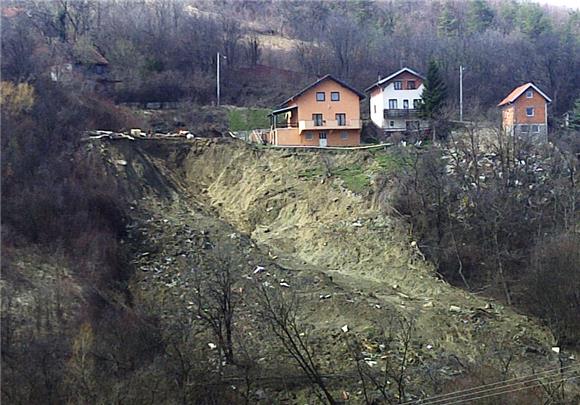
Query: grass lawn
[{"x": 246, "y": 119}]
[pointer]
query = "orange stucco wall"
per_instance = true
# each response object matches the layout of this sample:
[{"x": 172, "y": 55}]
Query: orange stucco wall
[
  {"x": 291, "y": 137},
  {"x": 539, "y": 104},
  {"x": 349, "y": 103}
]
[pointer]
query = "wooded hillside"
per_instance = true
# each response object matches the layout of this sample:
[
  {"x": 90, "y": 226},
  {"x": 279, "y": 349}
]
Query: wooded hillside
[{"x": 166, "y": 50}]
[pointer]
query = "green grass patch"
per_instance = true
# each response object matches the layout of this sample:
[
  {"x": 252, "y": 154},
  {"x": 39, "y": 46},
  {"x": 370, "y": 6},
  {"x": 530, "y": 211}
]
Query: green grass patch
[
  {"x": 310, "y": 174},
  {"x": 389, "y": 161},
  {"x": 353, "y": 177},
  {"x": 246, "y": 119}
]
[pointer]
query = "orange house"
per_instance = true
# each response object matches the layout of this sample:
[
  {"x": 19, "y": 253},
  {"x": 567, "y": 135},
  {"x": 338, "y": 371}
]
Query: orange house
[
  {"x": 525, "y": 112},
  {"x": 326, "y": 113}
]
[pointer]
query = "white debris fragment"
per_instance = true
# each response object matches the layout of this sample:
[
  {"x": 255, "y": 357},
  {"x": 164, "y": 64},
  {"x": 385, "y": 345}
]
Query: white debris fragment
[
  {"x": 212, "y": 346},
  {"x": 556, "y": 349},
  {"x": 259, "y": 269},
  {"x": 344, "y": 328},
  {"x": 284, "y": 284},
  {"x": 454, "y": 308}
]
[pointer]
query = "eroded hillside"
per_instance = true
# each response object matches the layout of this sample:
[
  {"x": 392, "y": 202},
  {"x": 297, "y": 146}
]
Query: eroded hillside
[{"x": 286, "y": 221}]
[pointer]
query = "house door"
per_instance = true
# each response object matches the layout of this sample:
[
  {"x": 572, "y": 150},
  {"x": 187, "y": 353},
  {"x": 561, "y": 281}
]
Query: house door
[{"x": 322, "y": 141}]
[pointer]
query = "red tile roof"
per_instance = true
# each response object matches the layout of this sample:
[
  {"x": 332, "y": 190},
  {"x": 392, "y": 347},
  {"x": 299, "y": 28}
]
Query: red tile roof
[{"x": 518, "y": 91}]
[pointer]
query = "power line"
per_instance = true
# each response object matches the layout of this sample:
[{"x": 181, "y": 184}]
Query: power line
[
  {"x": 555, "y": 372},
  {"x": 506, "y": 392}
]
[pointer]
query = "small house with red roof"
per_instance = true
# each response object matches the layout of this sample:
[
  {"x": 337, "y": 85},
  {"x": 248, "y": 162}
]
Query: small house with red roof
[{"x": 525, "y": 112}]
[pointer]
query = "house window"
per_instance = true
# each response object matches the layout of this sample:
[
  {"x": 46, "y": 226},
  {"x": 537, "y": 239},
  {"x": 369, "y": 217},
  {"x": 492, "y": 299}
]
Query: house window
[
  {"x": 406, "y": 104},
  {"x": 391, "y": 123},
  {"x": 535, "y": 128},
  {"x": 317, "y": 118},
  {"x": 322, "y": 135},
  {"x": 308, "y": 136},
  {"x": 334, "y": 96},
  {"x": 525, "y": 128},
  {"x": 344, "y": 135},
  {"x": 529, "y": 94},
  {"x": 530, "y": 111},
  {"x": 411, "y": 85},
  {"x": 417, "y": 103},
  {"x": 320, "y": 96},
  {"x": 375, "y": 108},
  {"x": 392, "y": 104},
  {"x": 341, "y": 119},
  {"x": 398, "y": 85}
]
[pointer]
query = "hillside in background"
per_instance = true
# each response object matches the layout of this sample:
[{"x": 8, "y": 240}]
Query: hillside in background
[{"x": 166, "y": 50}]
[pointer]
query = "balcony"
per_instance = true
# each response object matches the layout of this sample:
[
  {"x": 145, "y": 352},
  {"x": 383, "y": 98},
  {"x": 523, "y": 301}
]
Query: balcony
[
  {"x": 329, "y": 124},
  {"x": 401, "y": 113}
]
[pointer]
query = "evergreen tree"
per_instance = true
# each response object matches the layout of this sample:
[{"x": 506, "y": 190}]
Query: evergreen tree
[
  {"x": 480, "y": 16},
  {"x": 532, "y": 20},
  {"x": 433, "y": 98},
  {"x": 447, "y": 24},
  {"x": 434, "y": 92}
]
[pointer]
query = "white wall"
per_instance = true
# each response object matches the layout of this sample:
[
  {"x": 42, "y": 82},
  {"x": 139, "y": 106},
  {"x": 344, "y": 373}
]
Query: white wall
[
  {"x": 381, "y": 102},
  {"x": 377, "y": 106},
  {"x": 389, "y": 92}
]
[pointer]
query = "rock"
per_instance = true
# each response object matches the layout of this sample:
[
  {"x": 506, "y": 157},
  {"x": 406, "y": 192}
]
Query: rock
[
  {"x": 454, "y": 308},
  {"x": 428, "y": 304},
  {"x": 121, "y": 162}
]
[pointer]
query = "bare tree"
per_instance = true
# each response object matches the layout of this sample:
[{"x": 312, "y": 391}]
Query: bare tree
[
  {"x": 280, "y": 314},
  {"x": 215, "y": 305},
  {"x": 398, "y": 336}
]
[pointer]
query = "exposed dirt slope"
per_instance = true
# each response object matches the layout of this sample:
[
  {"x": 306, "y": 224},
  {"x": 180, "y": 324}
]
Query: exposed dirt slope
[{"x": 349, "y": 262}]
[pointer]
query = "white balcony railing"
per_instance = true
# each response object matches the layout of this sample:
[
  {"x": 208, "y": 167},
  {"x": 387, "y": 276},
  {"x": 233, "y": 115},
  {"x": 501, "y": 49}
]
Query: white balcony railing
[{"x": 329, "y": 124}]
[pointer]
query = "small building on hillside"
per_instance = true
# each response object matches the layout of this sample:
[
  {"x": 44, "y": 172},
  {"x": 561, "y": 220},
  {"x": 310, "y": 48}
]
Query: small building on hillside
[
  {"x": 525, "y": 112},
  {"x": 395, "y": 101},
  {"x": 326, "y": 113}
]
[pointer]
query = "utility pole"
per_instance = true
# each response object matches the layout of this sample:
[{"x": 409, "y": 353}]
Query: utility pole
[
  {"x": 218, "y": 76},
  {"x": 218, "y": 79},
  {"x": 461, "y": 93}
]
